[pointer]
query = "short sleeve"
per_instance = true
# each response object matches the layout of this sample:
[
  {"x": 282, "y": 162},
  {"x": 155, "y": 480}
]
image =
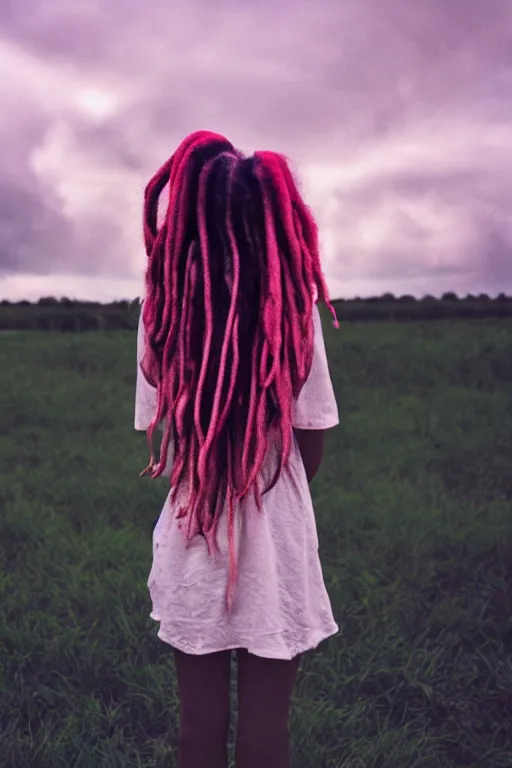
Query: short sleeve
[
  {"x": 145, "y": 394},
  {"x": 316, "y": 407}
]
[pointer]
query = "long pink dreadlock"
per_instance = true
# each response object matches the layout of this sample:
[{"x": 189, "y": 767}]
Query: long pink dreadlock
[{"x": 228, "y": 319}]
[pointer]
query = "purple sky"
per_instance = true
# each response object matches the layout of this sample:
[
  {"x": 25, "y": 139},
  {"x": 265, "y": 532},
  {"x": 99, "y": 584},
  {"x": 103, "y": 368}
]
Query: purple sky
[{"x": 396, "y": 114}]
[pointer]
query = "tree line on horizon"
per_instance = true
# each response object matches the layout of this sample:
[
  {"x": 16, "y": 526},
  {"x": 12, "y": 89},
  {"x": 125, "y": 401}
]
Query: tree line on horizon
[
  {"x": 386, "y": 298},
  {"x": 73, "y": 315}
]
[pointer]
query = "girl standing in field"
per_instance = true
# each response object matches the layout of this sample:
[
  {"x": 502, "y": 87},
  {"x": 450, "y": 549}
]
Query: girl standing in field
[{"x": 232, "y": 365}]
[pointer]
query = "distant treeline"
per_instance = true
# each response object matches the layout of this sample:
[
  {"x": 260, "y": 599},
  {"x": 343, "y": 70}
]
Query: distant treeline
[{"x": 51, "y": 314}]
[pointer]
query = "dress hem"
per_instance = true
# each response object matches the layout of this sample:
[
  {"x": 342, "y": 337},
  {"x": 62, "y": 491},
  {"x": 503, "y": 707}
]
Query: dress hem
[{"x": 317, "y": 636}]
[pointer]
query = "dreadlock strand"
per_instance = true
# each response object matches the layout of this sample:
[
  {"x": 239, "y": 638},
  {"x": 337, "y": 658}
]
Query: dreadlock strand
[
  {"x": 234, "y": 373},
  {"x": 183, "y": 395},
  {"x": 291, "y": 254},
  {"x": 177, "y": 214},
  {"x": 203, "y": 235},
  {"x": 251, "y": 433},
  {"x": 273, "y": 303},
  {"x": 151, "y": 195}
]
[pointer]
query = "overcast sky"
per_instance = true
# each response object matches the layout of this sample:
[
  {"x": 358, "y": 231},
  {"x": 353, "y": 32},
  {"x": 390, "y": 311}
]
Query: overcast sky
[{"x": 396, "y": 114}]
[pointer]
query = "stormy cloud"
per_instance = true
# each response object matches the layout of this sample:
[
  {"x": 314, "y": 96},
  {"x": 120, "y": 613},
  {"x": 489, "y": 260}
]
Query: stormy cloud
[{"x": 396, "y": 116}]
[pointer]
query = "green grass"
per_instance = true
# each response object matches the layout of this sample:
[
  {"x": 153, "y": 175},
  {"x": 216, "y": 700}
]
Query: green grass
[{"x": 414, "y": 507}]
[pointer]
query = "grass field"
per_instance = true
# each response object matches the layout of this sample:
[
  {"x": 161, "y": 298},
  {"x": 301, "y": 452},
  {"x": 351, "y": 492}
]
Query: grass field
[{"x": 414, "y": 507}]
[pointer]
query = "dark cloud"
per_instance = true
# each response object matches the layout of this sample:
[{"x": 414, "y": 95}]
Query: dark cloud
[
  {"x": 27, "y": 220},
  {"x": 396, "y": 115}
]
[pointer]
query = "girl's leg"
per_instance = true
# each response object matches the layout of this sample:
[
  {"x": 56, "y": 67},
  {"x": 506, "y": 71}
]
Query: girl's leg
[
  {"x": 264, "y": 691},
  {"x": 203, "y": 683}
]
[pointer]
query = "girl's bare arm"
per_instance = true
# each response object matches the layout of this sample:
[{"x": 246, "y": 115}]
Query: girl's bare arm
[{"x": 311, "y": 446}]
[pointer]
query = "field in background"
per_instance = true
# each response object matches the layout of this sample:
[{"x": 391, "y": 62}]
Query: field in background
[
  {"x": 414, "y": 508},
  {"x": 51, "y": 314}
]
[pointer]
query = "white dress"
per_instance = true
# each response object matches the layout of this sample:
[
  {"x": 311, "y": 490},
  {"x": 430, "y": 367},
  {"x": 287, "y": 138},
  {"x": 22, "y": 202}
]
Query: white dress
[{"x": 281, "y": 606}]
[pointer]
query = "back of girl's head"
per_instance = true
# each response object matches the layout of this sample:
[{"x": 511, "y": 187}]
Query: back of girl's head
[{"x": 231, "y": 280}]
